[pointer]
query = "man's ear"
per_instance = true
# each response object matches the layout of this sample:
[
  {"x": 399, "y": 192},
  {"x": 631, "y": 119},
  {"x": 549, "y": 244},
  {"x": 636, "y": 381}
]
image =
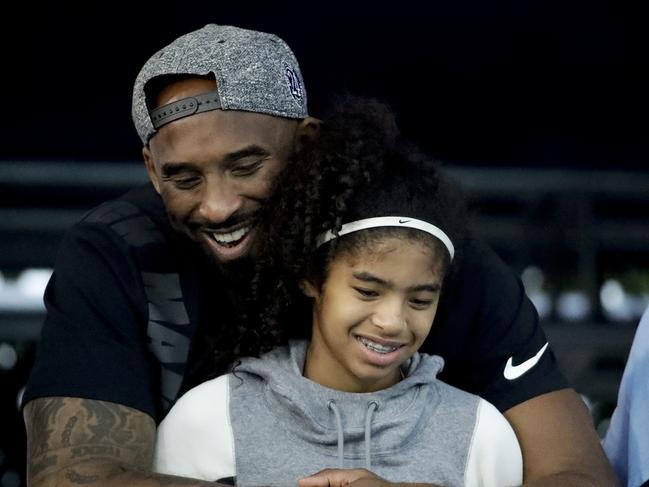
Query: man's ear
[
  {"x": 150, "y": 168},
  {"x": 307, "y": 132},
  {"x": 309, "y": 289}
]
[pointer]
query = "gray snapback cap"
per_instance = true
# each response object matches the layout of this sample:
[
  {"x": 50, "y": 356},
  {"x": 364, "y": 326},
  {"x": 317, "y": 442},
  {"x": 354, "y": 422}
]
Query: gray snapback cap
[{"x": 254, "y": 71}]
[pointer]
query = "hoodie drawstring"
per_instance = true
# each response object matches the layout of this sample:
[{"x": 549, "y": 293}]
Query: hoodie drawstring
[
  {"x": 373, "y": 406},
  {"x": 339, "y": 427}
]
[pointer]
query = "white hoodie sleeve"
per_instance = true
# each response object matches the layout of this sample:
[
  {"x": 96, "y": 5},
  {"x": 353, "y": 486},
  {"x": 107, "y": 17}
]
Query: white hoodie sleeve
[
  {"x": 195, "y": 439},
  {"x": 495, "y": 458}
]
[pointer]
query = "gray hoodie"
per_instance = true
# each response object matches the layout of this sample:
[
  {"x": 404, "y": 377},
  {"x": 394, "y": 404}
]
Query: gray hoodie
[{"x": 266, "y": 424}]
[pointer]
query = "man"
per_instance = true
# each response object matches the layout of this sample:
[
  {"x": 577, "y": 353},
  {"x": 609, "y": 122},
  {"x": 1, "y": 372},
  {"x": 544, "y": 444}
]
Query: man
[{"x": 220, "y": 112}]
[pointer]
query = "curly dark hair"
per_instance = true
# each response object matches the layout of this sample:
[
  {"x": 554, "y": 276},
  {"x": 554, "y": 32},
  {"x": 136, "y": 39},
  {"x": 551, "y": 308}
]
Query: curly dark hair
[{"x": 359, "y": 168}]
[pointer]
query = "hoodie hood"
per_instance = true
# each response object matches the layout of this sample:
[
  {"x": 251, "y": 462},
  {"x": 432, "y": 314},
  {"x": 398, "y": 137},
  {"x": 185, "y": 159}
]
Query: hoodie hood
[{"x": 355, "y": 423}]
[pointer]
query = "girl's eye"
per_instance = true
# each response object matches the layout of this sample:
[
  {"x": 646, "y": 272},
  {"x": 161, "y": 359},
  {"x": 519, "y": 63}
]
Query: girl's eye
[{"x": 366, "y": 293}]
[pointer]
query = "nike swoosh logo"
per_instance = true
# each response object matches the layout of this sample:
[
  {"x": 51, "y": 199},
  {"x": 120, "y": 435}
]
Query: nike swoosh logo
[
  {"x": 512, "y": 371},
  {"x": 404, "y": 221}
]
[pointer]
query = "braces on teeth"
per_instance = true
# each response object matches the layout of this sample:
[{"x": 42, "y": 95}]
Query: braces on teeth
[{"x": 376, "y": 346}]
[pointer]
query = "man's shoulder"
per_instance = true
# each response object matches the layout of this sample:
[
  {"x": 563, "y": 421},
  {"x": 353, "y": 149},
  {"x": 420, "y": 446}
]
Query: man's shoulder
[
  {"x": 134, "y": 219},
  {"x": 483, "y": 263},
  {"x": 131, "y": 233},
  {"x": 142, "y": 200},
  {"x": 482, "y": 293},
  {"x": 485, "y": 319}
]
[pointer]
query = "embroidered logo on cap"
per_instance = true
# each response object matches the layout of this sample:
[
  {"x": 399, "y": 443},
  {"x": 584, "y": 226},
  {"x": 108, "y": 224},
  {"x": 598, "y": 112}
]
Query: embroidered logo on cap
[{"x": 294, "y": 83}]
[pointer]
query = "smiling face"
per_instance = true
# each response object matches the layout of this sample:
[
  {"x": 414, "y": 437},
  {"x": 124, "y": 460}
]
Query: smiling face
[
  {"x": 372, "y": 313},
  {"x": 215, "y": 169}
]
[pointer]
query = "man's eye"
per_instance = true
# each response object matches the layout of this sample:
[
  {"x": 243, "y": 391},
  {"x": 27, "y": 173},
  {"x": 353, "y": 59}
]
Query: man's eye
[
  {"x": 186, "y": 182},
  {"x": 366, "y": 293},
  {"x": 246, "y": 169}
]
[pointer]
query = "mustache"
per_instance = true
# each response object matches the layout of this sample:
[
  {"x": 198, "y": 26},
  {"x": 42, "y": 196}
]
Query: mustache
[{"x": 232, "y": 221}]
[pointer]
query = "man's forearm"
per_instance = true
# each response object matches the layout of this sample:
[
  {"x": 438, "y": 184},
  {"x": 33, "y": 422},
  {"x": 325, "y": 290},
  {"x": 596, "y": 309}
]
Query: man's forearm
[
  {"x": 559, "y": 443},
  {"x": 73, "y": 442},
  {"x": 90, "y": 474},
  {"x": 567, "y": 479}
]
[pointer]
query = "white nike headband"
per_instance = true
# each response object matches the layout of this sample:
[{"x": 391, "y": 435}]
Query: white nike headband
[{"x": 388, "y": 221}]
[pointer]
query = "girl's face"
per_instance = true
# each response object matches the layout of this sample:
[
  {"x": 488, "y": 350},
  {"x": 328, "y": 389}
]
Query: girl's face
[{"x": 372, "y": 313}]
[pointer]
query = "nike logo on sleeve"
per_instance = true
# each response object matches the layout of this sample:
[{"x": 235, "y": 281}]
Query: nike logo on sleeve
[{"x": 512, "y": 371}]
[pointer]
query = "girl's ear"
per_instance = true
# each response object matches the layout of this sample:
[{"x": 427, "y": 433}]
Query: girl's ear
[{"x": 309, "y": 289}]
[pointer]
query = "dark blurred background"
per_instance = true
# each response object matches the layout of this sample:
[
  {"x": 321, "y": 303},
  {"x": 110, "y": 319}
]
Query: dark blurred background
[
  {"x": 538, "y": 108},
  {"x": 546, "y": 83}
]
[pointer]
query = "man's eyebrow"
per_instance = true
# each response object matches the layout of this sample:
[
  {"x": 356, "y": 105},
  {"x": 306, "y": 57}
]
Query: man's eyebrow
[
  {"x": 251, "y": 150},
  {"x": 368, "y": 277},
  {"x": 173, "y": 168}
]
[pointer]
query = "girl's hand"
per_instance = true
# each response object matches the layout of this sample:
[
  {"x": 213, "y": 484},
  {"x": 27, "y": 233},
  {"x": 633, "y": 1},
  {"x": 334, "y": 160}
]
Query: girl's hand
[{"x": 331, "y": 477}]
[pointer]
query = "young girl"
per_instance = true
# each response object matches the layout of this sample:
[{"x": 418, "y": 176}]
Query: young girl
[{"x": 367, "y": 230}]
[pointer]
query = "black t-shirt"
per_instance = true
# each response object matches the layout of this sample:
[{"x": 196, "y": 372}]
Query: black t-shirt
[{"x": 128, "y": 292}]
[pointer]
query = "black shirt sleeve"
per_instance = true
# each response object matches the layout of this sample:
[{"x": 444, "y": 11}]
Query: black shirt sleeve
[
  {"x": 93, "y": 343},
  {"x": 484, "y": 321}
]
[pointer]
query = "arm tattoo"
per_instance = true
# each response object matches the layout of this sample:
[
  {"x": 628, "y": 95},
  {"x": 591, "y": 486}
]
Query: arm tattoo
[
  {"x": 40, "y": 466},
  {"x": 84, "y": 442},
  {"x": 65, "y": 437},
  {"x": 110, "y": 422},
  {"x": 44, "y": 414},
  {"x": 63, "y": 432},
  {"x": 76, "y": 478}
]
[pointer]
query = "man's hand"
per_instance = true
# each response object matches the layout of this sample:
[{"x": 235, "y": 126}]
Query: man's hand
[
  {"x": 357, "y": 477},
  {"x": 73, "y": 441}
]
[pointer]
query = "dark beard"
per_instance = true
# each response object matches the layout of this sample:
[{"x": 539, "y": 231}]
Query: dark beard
[
  {"x": 237, "y": 278},
  {"x": 239, "y": 272},
  {"x": 226, "y": 292},
  {"x": 240, "y": 269}
]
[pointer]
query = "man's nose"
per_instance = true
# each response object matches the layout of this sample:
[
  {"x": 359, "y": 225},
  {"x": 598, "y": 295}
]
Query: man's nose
[
  {"x": 219, "y": 200},
  {"x": 390, "y": 316}
]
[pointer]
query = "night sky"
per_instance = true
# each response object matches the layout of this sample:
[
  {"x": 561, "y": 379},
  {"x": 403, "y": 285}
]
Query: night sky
[{"x": 561, "y": 84}]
